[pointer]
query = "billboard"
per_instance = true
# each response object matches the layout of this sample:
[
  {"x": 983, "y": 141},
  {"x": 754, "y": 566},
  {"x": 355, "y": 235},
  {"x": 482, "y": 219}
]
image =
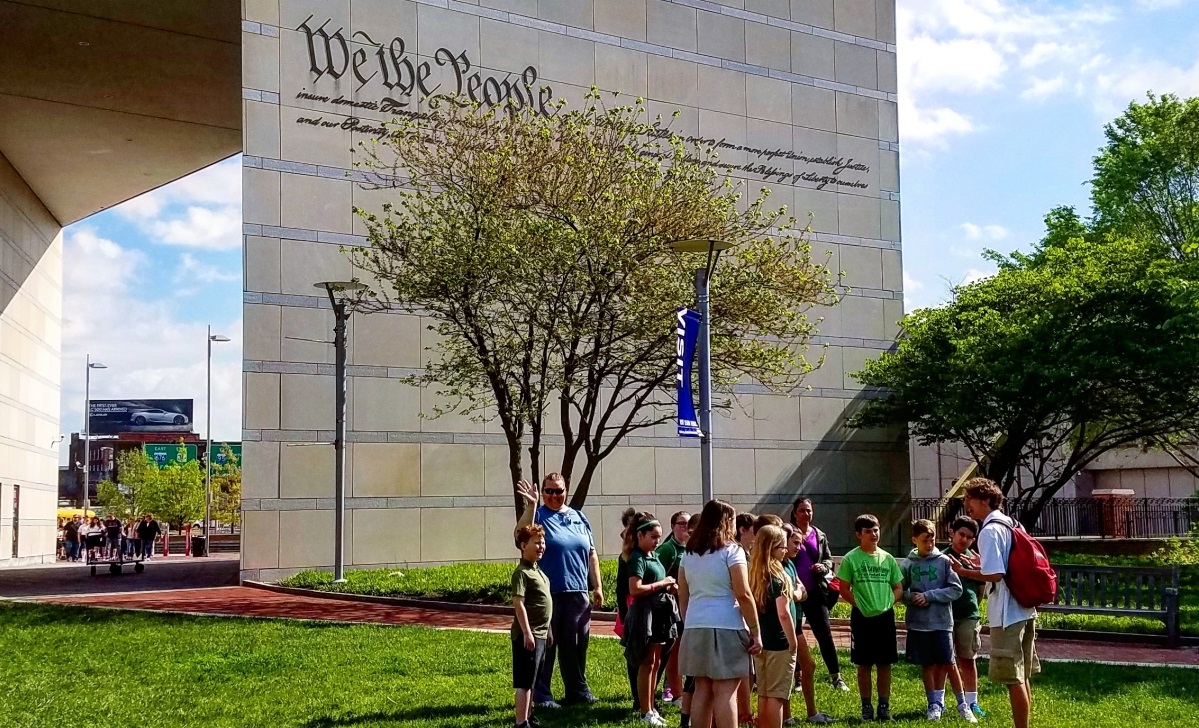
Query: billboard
[
  {"x": 114, "y": 416},
  {"x": 164, "y": 455}
]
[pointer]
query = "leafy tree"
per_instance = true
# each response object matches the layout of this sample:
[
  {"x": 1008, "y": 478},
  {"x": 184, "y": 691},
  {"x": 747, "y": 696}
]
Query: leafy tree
[
  {"x": 538, "y": 245},
  {"x": 1147, "y": 176},
  {"x": 226, "y": 488},
  {"x": 137, "y": 489},
  {"x": 180, "y": 498},
  {"x": 1065, "y": 354}
]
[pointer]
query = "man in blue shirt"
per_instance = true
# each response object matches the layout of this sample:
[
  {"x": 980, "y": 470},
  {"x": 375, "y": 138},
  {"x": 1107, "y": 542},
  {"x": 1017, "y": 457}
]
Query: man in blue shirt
[{"x": 571, "y": 563}]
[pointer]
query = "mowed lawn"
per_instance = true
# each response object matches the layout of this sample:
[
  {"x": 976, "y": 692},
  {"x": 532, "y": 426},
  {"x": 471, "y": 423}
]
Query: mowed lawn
[{"x": 64, "y": 667}]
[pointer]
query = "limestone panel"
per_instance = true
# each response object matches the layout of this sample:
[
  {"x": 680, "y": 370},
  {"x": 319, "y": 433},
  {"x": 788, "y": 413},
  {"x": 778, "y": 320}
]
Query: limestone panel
[
  {"x": 890, "y": 223},
  {"x": 672, "y": 25},
  {"x": 622, "y": 70},
  {"x": 769, "y": 99},
  {"x": 307, "y": 470},
  {"x": 828, "y": 374},
  {"x": 861, "y": 151},
  {"x": 888, "y": 171},
  {"x": 387, "y": 340},
  {"x": 260, "y": 62},
  {"x": 260, "y": 405},
  {"x": 566, "y": 59},
  {"x": 774, "y": 8},
  {"x": 260, "y": 539},
  {"x": 498, "y": 543},
  {"x": 316, "y": 203},
  {"x": 306, "y": 402},
  {"x": 729, "y": 127},
  {"x": 294, "y": 12},
  {"x": 776, "y": 417},
  {"x": 261, "y": 263},
  {"x": 888, "y": 121},
  {"x": 855, "y": 65},
  {"x": 328, "y": 146},
  {"x": 303, "y": 264},
  {"x": 722, "y": 89},
  {"x": 520, "y": 7},
  {"x": 451, "y": 417},
  {"x": 507, "y": 46},
  {"x": 733, "y": 471},
  {"x": 624, "y": 18},
  {"x": 859, "y": 216},
  {"x": 307, "y": 333},
  {"x": 576, "y": 13},
  {"x": 820, "y": 205},
  {"x": 888, "y": 77},
  {"x": 260, "y": 196},
  {"x": 856, "y": 17},
  {"x": 388, "y": 17},
  {"x": 261, "y": 325},
  {"x": 451, "y": 470},
  {"x": 262, "y": 11},
  {"x": 863, "y": 316},
  {"x": 863, "y": 266},
  {"x": 811, "y": 55},
  {"x": 736, "y": 421},
  {"x": 722, "y": 36},
  {"x": 821, "y": 418},
  {"x": 857, "y": 115},
  {"x": 386, "y": 469},
  {"x": 386, "y": 535},
  {"x": 453, "y": 534},
  {"x": 674, "y": 82},
  {"x": 777, "y": 469},
  {"x": 892, "y": 270},
  {"x": 382, "y": 404},
  {"x": 437, "y": 28},
  {"x": 260, "y": 130},
  {"x": 628, "y": 471},
  {"x": 813, "y": 107},
  {"x": 677, "y": 470},
  {"x": 855, "y": 359},
  {"x": 892, "y": 315},
  {"x": 260, "y": 469},
  {"x": 306, "y": 538},
  {"x": 813, "y": 12},
  {"x": 885, "y": 21},
  {"x": 766, "y": 45}
]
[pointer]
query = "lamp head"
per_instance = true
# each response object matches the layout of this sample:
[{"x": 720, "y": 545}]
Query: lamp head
[
  {"x": 218, "y": 338},
  {"x": 97, "y": 365},
  {"x": 340, "y": 286},
  {"x": 699, "y": 245}
]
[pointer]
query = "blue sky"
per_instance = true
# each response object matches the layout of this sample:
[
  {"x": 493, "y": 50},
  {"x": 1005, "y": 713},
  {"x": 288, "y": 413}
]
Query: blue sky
[{"x": 1002, "y": 105}]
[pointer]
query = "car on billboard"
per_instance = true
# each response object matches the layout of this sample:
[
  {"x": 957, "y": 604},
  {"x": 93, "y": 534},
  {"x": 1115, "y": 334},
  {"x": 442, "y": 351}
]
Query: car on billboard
[{"x": 157, "y": 417}]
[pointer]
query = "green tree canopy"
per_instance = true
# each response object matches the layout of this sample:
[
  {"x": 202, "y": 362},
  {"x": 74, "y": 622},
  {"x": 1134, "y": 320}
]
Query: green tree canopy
[
  {"x": 1147, "y": 175},
  {"x": 1063, "y": 355},
  {"x": 538, "y": 245},
  {"x": 138, "y": 489}
]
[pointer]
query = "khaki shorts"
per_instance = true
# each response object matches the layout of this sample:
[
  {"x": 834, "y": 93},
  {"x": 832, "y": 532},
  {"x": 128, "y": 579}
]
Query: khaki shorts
[
  {"x": 1014, "y": 653},
  {"x": 776, "y": 673},
  {"x": 967, "y": 638}
]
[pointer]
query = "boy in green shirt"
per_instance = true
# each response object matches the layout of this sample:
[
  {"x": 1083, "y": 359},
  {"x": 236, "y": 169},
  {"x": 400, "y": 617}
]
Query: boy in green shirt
[
  {"x": 967, "y": 629},
  {"x": 530, "y": 625},
  {"x": 872, "y": 583}
]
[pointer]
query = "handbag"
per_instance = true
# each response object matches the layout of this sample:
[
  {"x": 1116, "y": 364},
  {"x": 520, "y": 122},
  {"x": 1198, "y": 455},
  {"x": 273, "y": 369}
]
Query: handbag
[{"x": 831, "y": 586}]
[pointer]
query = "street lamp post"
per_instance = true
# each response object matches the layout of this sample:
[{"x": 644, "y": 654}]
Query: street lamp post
[
  {"x": 87, "y": 428},
  {"x": 341, "y": 315},
  {"x": 703, "y": 278},
  {"x": 218, "y": 338}
]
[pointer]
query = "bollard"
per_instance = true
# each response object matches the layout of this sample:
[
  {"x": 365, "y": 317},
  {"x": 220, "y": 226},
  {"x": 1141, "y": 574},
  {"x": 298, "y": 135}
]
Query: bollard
[
  {"x": 166, "y": 541},
  {"x": 1170, "y": 604},
  {"x": 187, "y": 540}
]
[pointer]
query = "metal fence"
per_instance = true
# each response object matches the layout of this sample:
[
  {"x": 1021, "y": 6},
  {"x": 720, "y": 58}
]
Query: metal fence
[{"x": 1072, "y": 518}]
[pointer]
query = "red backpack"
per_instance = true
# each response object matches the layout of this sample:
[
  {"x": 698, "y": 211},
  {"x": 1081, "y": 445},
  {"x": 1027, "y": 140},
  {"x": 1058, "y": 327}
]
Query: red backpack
[{"x": 1030, "y": 577}]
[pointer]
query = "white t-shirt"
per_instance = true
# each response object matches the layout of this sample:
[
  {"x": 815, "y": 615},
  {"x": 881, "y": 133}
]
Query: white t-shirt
[
  {"x": 994, "y": 546},
  {"x": 710, "y": 600}
]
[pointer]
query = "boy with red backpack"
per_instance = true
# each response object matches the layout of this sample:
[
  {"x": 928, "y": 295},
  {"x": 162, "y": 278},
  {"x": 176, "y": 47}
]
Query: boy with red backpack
[{"x": 1019, "y": 569}]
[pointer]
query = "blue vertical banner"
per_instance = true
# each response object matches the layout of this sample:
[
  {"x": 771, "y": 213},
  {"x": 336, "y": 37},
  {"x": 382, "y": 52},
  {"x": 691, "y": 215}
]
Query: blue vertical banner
[{"x": 687, "y": 333}]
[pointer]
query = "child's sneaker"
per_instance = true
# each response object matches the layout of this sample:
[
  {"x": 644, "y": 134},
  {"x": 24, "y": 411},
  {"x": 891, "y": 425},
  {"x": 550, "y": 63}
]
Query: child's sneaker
[
  {"x": 667, "y": 696},
  {"x": 965, "y": 712},
  {"x": 978, "y": 710},
  {"x": 934, "y": 711},
  {"x": 653, "y": 719},
  {"x": 867, "y": 711},
  {"x": 838, "y": 684},
  {"x": 884, "y": 712},
  {"x": 820, "y": 719}
]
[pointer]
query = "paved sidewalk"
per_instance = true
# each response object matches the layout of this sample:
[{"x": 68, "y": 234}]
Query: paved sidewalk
[{"x": 249, "y": 602}]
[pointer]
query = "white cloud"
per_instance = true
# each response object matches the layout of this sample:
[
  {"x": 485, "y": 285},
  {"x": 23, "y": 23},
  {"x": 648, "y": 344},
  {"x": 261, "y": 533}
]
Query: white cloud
[
  {"x": 930, "y": 127},
  {"x": 974, "y": 275},
  {"x": 202, "y": 210},
  {"x": 150, "y": 350},
  {"x": 192, "y": 270},
  {"x": 1043, "y": 88},
  {"x": 1115, "y": 83},
  {"x": 984, "y": 232},
  {"x": 1152, "y": 5}
]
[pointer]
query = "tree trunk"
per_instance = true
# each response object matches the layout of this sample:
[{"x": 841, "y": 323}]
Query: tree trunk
[{"x": 583, "y": 485}]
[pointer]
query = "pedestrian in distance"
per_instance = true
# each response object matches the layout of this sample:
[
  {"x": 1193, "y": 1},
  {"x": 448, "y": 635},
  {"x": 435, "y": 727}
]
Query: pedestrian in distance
[
  {"x": 653, "y": 615},
  {"x": 533, "y": 608},
  {"x": 872, "y": 583},
  {"x": 805, "y": 668},
  {"x": 147, "y": 531},
  {"x": 967, "y": 627},
  {"x": 930, "y": 587}
]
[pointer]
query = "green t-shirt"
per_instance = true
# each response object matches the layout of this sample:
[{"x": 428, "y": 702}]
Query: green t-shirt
[
  {"x": 646, "y": 566},
  {"x": 966, "y": 606},
  {"x": 773, "y": 636},
  {"x": 531, "y": 584},
  {"x": 872, "y": 577},
  {"x": 670, "y": 553},
  {"x": 789, "y": 567}
]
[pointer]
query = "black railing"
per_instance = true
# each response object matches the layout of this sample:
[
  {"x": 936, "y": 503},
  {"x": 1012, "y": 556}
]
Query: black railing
[{"x": 1114, "y": 517}]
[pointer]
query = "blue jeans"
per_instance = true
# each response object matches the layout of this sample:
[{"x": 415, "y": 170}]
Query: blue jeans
[
  {"x": 72, "y": 549},
  {"x": 147, "y": 547}
]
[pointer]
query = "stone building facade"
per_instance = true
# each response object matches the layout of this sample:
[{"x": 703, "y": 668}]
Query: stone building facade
[{"x": 812, "y": 77}]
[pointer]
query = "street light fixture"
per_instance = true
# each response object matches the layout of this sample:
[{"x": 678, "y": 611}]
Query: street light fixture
[
  {"x": 336, "y": 291},
  {"x": 703, "y": 277},
  {"x": 87, "y": 427},
  {"x": 212, "y": 338}
]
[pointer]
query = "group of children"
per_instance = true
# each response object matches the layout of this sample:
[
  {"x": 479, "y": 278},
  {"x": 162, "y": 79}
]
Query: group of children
[{"x": 943, "y": 626}]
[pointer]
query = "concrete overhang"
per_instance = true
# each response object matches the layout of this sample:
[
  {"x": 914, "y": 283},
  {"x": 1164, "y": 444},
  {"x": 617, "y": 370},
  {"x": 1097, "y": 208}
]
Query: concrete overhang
[{"x": 102, "y": 100}]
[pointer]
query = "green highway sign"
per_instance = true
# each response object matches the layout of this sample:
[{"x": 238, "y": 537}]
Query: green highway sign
[
  {"x": 218, "y": 452},
  {"x": 167, "y": 454}
]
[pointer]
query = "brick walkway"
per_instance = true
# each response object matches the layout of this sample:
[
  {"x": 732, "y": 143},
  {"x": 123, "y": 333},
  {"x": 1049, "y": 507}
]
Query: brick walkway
[{"x": 249, "y": 602}]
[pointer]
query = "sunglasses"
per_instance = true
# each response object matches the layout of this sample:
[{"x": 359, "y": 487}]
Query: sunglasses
[
  {"x": 553, "y": 491},
  {"x": 679, "y": 523}
]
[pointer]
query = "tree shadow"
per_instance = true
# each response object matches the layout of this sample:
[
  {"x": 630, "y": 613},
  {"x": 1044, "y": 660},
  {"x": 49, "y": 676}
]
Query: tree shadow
[
  {"x": 434, "y": 715},
  {"x": 1083, "y": 683}
]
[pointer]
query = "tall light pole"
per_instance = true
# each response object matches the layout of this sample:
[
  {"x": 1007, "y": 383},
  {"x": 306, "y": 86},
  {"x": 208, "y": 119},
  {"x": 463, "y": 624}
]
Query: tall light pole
[
  {"x": 336, "y": 291},
  {"x": 87, "y": 428},
  {"x": 703, "y": 278},
  {"x": 218, "y": 338}
]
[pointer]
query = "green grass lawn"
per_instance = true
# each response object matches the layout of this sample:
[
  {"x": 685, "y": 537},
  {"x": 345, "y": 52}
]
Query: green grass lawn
[
  {"x": 66, "y": 667},
  {"x": 487, "y": 583}
]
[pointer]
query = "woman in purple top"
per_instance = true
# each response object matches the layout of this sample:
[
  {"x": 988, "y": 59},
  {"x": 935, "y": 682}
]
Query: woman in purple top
[{"x": 813, "y": 562}]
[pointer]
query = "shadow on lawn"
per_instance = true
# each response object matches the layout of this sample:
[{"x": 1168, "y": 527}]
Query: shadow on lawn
[
  {"x": 433, "y": 715},
  {"x": 1083, "y": 682}
]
